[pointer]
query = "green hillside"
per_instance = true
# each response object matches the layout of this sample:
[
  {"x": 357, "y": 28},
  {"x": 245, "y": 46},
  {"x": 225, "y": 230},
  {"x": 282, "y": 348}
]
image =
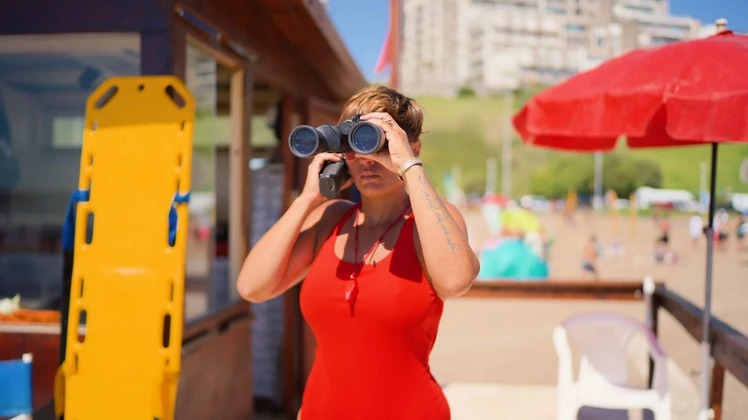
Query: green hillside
[{"x": 465, "y": 131}]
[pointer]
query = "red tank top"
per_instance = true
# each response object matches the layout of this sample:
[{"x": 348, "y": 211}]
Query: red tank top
[{"x": 373, "y": 362}]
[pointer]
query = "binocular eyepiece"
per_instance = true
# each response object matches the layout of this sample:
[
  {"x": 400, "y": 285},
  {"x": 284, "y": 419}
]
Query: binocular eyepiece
[{"x": 362, "y": 137}]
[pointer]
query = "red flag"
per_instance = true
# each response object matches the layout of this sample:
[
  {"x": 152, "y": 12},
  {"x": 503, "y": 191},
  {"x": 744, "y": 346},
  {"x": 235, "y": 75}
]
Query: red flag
[
  {"x": 388, "y": 56},
  {"x": 385, "y": 55}
]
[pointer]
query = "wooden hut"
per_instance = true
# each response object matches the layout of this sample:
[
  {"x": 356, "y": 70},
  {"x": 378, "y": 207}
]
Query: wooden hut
[{"x": 257, "y": 68}]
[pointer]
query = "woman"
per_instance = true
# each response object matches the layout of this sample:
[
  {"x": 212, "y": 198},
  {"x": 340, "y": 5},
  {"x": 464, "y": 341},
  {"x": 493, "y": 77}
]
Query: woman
[{"x": 376, "y": 273}]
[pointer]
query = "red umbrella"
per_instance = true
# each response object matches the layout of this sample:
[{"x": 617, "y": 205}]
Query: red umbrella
[
  {"x": 678, "y": 94},
  {"x": 684, "y": 93}
]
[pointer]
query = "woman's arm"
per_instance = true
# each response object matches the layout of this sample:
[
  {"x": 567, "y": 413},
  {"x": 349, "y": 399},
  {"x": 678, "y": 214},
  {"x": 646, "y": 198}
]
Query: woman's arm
[
  {"x": 448, "y": 260},
  {"x": 282, "y": 256}
]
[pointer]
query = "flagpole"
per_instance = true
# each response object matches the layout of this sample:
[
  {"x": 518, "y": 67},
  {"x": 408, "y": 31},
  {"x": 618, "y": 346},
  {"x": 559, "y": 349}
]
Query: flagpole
[
  {"x": 706, "y": 342},
  {"x": 395, "y": 15}
]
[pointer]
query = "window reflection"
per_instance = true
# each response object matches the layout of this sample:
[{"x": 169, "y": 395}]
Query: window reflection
[
  {"x": 267, "y": 206},
  {"x": 44, "y": 84},
  {"x": 207, "y": 281}
]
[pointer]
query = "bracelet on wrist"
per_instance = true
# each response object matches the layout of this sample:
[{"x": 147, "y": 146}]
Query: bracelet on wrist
[{"x": 407, "y": 165}]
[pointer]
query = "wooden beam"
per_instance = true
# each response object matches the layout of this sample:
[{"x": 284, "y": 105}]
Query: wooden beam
[
  {"x": 319, "y": 106},
  {"x": 156, "y": 55},
  {"x": 729, "y": 346},
  {"x": 248, "y": 24},
  {"x": 64, "y": 17},
  {"x": 655, "y": 329},
  {"x": 214, "y": 321},
  {"x": 717, "y": 390},
  {"x": 318, "y": 14},
  {"x": 289, "y": 160},
  {"x": 239, "y": 189},
  {"x": 614, "y": 290},
  {"x": 293, "y": 352},
  {"x": 178, "y": 35},
  {"x": 209, "y": 38},
  {"x": 730, "y": 349},
  {"x": 215, "y": 381},
  {"x": 307, "y": 27}
]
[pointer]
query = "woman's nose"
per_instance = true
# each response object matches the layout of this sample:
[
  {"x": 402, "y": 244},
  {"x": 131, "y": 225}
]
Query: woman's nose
[{"x": 365, "y": 159}]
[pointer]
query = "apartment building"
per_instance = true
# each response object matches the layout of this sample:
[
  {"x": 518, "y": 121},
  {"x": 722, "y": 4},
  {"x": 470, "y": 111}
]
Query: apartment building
[{"x": 498, "y": 45}]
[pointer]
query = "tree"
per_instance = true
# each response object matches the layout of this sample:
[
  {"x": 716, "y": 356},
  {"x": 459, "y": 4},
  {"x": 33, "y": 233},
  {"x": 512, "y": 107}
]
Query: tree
[
  {"x": 465, "y": 92},
  {"x": 621, "y": 173},
  {"x": 625, "y": 174}
]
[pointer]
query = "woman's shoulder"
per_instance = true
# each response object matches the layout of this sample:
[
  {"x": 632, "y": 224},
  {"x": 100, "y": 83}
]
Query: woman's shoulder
[
  {"x": 330, "y": 212},
  {"x": 336, "y": 206}
]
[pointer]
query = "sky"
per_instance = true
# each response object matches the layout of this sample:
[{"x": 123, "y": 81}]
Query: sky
[{"x": 363, "y": 24}]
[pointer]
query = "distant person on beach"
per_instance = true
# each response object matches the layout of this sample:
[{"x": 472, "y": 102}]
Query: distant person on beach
[
  {"x": 570, "y": 206},
  {"x": 664, "y": 230},
  {"x": 662, "y": 245},
  {"x": 741, "y": 232},
  {"x": 720, "y": 224},
  {"x": 589, "y": 259},
  {"x": 695, "y": 229}
]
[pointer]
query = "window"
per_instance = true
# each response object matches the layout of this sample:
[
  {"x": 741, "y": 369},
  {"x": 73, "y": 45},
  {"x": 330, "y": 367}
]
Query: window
[
  {"x": 67, "y": 131},
  {"x": 44, "y": 83}
]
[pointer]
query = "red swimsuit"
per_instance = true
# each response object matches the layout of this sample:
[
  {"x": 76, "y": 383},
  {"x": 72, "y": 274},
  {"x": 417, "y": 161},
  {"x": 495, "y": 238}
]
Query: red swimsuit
[{"x": 372, "y": 362}]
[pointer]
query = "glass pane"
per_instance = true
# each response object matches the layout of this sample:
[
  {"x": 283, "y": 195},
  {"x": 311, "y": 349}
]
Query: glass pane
[
  {"x": 267, "y": 206},
  {"x": 67, "y": 131},
  {"x": 44, "y": 84},
  {"x": 208, "y": 285}
]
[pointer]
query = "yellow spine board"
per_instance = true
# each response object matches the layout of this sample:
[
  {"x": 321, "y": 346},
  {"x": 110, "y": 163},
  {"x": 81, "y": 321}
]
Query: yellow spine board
[{"x": 136, "y": 155}]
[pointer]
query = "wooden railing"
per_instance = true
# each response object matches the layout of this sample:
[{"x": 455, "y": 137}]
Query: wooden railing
[
  {"x": 729, "y": 347},
  {"x": 216, "y": 377},
  {"x": 612, "y": 290}
]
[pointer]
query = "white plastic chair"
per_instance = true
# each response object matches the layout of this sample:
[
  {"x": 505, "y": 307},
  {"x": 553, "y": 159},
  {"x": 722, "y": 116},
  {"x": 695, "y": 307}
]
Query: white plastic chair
[{"x": 602, "y": 339}]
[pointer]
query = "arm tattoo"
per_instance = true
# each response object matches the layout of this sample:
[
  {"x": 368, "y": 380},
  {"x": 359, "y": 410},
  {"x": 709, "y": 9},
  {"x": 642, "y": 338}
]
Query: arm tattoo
[{"x": 437, "y": 207}]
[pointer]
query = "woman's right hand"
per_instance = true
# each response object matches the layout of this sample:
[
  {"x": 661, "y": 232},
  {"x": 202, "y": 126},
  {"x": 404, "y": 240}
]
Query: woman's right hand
[{"x": 311, "y": 185}]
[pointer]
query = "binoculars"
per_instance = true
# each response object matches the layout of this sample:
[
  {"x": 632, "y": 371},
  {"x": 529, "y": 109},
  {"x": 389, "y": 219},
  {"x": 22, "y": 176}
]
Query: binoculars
[{"x": 362, "y": 137}]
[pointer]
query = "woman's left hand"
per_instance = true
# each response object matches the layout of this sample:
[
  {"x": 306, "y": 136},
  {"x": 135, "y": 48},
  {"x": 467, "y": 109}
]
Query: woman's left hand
[{"x": 398, "y": 149}]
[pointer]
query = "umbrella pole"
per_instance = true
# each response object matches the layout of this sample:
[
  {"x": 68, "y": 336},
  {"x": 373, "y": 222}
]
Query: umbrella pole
[{"x": 705, "y": 340}]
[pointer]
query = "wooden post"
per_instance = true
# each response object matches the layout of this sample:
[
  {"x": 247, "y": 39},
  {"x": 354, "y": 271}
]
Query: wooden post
[
  {"x": 292, "y": 337},
  {"x": 716, "y": 391},
  {"x": 239, "y": 154}
]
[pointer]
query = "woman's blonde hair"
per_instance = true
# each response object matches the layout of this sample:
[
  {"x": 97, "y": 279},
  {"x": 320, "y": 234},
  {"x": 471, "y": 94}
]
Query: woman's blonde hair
[{"x": 405, "y": 111}]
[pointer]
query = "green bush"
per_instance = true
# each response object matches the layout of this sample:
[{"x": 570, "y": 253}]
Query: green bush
[
  {"x": 624, "y": 174},
  {"x": 465, "y": 92},
  {"x": 621, "y": 173}
]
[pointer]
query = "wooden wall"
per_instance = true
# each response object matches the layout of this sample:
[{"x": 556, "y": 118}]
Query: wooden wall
[{"x": 216, "y": 378}]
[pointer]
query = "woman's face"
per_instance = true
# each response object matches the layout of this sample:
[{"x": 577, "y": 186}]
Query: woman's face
[{"x": 371, "y": 177}]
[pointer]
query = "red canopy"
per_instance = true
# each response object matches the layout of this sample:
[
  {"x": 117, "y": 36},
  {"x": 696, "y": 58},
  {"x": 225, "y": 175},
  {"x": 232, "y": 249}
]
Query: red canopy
[{"x": 678, "y": 94}]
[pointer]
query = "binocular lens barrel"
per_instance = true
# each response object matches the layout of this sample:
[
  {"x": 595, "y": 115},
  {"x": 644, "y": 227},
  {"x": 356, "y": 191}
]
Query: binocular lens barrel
[
  {"x": 304, "y": 141},
  {"x": 366, "y": 138},
  {"x": 362, "y": 137}
]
